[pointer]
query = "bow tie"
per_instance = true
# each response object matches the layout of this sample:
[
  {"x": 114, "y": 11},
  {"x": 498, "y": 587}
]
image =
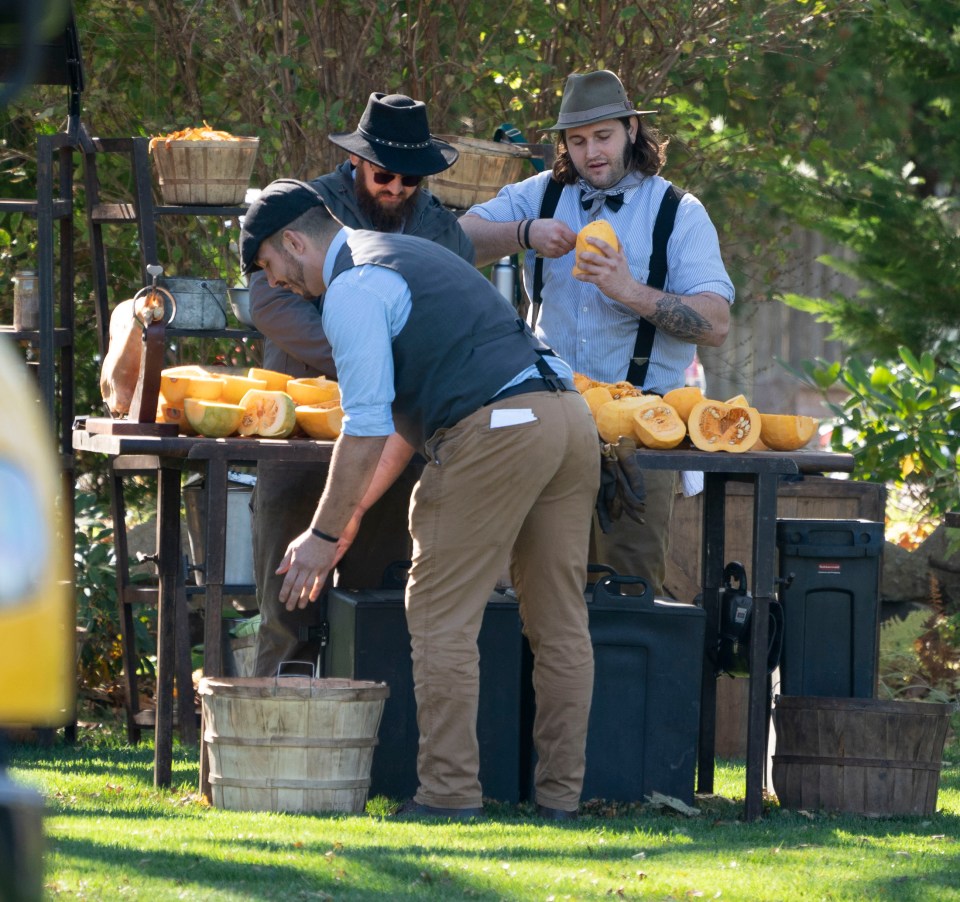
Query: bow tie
[{"x": 613, "y": 201}]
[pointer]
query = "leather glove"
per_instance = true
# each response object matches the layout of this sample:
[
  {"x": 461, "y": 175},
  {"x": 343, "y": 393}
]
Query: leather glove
[{"x": 621, "y": 484}]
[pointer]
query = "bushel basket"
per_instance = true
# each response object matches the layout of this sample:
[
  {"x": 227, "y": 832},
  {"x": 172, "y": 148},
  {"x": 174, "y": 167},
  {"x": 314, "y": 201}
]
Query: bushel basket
[
  {"x": 204, "y": 173},
  {"x": 482, "y": 169},
  {"x": 290, "y": 743},
  {"x": 859, "y": 755}
]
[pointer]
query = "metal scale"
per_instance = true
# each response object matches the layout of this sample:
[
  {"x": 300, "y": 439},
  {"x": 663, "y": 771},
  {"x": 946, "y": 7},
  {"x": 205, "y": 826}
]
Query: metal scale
[{"x": 142, "y": 416}]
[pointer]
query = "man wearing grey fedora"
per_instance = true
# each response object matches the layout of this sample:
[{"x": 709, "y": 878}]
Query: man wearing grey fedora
[
  {"x": 379, "y": 187},
  {"x": 625, "y": 315}
]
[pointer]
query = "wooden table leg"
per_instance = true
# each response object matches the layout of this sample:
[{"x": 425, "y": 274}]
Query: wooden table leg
[
  {"x": 168, "y": 545},
  {"x": 764, "y": 550},
  {"x": 186, "y": 705},
  {"x": 712, "y": 579},
  {"x": 214, "y": 570},
  {"x": 214, "y": 567}
]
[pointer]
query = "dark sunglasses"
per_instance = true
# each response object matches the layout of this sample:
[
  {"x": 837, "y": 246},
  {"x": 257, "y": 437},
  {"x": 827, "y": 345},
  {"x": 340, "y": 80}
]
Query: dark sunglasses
[{"x": 384, "y": 178}]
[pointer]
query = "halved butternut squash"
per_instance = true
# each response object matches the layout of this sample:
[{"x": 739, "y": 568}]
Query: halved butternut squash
[
  {"x": 718, "y": 426},
  {"x": 786, "y": 432},
  {"x": 683, "y": 399},
  {"x": 659, "y": 426},
  {"x": 615, "y": 418}
]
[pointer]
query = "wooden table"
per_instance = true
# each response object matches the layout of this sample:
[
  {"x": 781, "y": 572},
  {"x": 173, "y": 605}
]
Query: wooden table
[
  {"x": 763, "y": 469},
  {"x": 170, "y": 456}
]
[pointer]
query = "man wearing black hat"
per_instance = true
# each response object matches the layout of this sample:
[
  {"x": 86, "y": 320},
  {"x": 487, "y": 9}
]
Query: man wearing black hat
[
  {"x": 379, "y": 188},
  {"x": 511, "y": 475},
  {"x": 608, "y": 321}
]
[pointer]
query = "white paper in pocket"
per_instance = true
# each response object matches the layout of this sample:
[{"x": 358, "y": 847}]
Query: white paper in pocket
[{"x": 509, "y": 417}]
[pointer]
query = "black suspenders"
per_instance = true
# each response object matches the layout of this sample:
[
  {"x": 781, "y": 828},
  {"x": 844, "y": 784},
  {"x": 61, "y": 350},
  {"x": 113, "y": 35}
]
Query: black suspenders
[{"x": 662, "y": 229}]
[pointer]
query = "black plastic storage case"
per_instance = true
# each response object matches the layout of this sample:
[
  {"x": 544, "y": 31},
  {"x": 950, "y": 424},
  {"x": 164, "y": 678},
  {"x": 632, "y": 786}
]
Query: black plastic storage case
[
  {"x": 830, "y": 574},
  {"x": 645, "y": 716},
  {"x": 369, "y": 640}
]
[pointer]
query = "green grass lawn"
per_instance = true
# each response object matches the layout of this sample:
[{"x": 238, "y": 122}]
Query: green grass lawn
[{"x": 112, "y": 835}]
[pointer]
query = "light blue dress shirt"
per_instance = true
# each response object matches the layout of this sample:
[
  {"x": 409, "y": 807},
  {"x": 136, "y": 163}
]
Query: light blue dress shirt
[
  {"x": 364, "y": 309},
  {"x": 592, "y": 332}
]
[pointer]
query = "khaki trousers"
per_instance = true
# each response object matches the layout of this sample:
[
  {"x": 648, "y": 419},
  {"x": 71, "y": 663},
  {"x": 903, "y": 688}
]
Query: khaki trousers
[{"x": 529, "y": 488}]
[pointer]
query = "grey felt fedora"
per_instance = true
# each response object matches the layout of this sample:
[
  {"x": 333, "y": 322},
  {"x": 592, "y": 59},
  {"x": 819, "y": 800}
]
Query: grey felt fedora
[{"x": 593, "y": 97}]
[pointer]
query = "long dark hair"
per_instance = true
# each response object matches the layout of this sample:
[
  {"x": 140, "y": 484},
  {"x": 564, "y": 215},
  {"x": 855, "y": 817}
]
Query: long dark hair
[{"x": 646, "y": 155}]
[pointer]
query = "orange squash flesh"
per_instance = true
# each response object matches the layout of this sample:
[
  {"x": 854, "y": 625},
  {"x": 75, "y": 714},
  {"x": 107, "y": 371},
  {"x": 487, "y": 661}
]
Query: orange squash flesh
[
  {"x": 659, "y": 426},
  {"x": 716, "y": 426},
  {"x": 615, "y": 418}
]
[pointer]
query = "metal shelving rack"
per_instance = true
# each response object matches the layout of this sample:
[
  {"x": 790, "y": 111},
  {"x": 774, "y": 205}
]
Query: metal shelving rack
[{"x": 141, "y": 211}]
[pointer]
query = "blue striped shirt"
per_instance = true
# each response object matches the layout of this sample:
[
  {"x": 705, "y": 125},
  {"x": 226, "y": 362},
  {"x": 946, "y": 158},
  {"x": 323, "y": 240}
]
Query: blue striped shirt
[
  {"x": 593, "y": 333},
  {"x": 364, "y": 309}
]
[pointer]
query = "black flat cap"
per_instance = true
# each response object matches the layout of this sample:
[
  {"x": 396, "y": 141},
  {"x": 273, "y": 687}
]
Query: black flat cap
[{"x": 279, "y": 204}]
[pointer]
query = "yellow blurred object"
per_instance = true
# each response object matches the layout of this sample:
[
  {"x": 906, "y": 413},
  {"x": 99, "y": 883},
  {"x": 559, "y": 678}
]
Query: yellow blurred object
[
  {"x": 596, "y": 397},
  {"x": 37, "y": 615}
]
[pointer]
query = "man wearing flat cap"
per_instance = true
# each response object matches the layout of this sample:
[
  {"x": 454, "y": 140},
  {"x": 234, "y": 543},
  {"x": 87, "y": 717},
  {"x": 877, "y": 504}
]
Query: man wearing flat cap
[
  {"x": 511, "y": 476},
  {"x": 379, "y": 188},
  {"x": 627, "y": 314}
]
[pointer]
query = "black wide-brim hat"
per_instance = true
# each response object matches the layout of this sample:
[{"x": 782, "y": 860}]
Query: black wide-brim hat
[{"x": 394, "y": 134}]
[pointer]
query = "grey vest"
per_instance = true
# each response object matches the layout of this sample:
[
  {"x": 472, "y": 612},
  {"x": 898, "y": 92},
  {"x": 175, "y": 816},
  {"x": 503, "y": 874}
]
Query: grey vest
[{"x": 462, "y": 341}]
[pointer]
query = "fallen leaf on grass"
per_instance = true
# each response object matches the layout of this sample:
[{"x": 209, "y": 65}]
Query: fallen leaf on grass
[{"x": 659, "y": 800}]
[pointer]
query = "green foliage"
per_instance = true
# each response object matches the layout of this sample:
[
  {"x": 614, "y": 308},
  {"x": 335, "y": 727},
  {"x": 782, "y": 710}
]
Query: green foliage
[
  {"x": 905, "y": 254},
  {"x": 900, "y": 421},
  {"x": 95, "y": 565},
  {"x": 860, "y": 141}
]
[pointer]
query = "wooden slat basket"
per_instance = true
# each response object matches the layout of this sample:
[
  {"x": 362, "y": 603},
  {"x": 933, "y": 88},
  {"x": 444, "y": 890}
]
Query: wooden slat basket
[
  {"x": 291, "y": 744},
  {"x": 481, "y": 170},
  {"x": 859, "y": 755},
  {"x": 205, "y": 173}
]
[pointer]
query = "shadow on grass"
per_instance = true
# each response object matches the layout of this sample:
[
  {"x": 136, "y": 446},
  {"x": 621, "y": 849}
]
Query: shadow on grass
[
  {"x": 375, "y": 874},
  {"x": 241, "y": 864},
  {"x": 257, "y": 867}
]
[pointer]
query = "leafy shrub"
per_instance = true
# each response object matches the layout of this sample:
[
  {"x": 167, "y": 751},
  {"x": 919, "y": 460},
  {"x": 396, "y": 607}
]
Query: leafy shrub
[
  {"x": 901, "y": 422},
  {"x": 101, "y": 661}
]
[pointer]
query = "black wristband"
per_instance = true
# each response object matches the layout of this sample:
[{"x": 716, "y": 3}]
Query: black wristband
[
  {"x": 526, "y": 235},
  {"x": 324, "y": 536},
  {"x": 519, "y": 227}
]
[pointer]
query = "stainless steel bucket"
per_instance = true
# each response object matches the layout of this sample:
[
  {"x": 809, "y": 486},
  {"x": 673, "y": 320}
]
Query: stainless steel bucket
[
  {"x": 201, "y": 303},
  {"x": 238, "y": 566}
]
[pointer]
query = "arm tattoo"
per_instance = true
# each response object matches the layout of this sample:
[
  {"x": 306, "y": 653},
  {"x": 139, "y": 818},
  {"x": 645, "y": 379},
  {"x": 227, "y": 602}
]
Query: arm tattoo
[{"x": 679, "y": 320}]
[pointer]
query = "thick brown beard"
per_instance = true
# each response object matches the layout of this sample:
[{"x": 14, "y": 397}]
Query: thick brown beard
[{"x": 384, "y": 220}]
